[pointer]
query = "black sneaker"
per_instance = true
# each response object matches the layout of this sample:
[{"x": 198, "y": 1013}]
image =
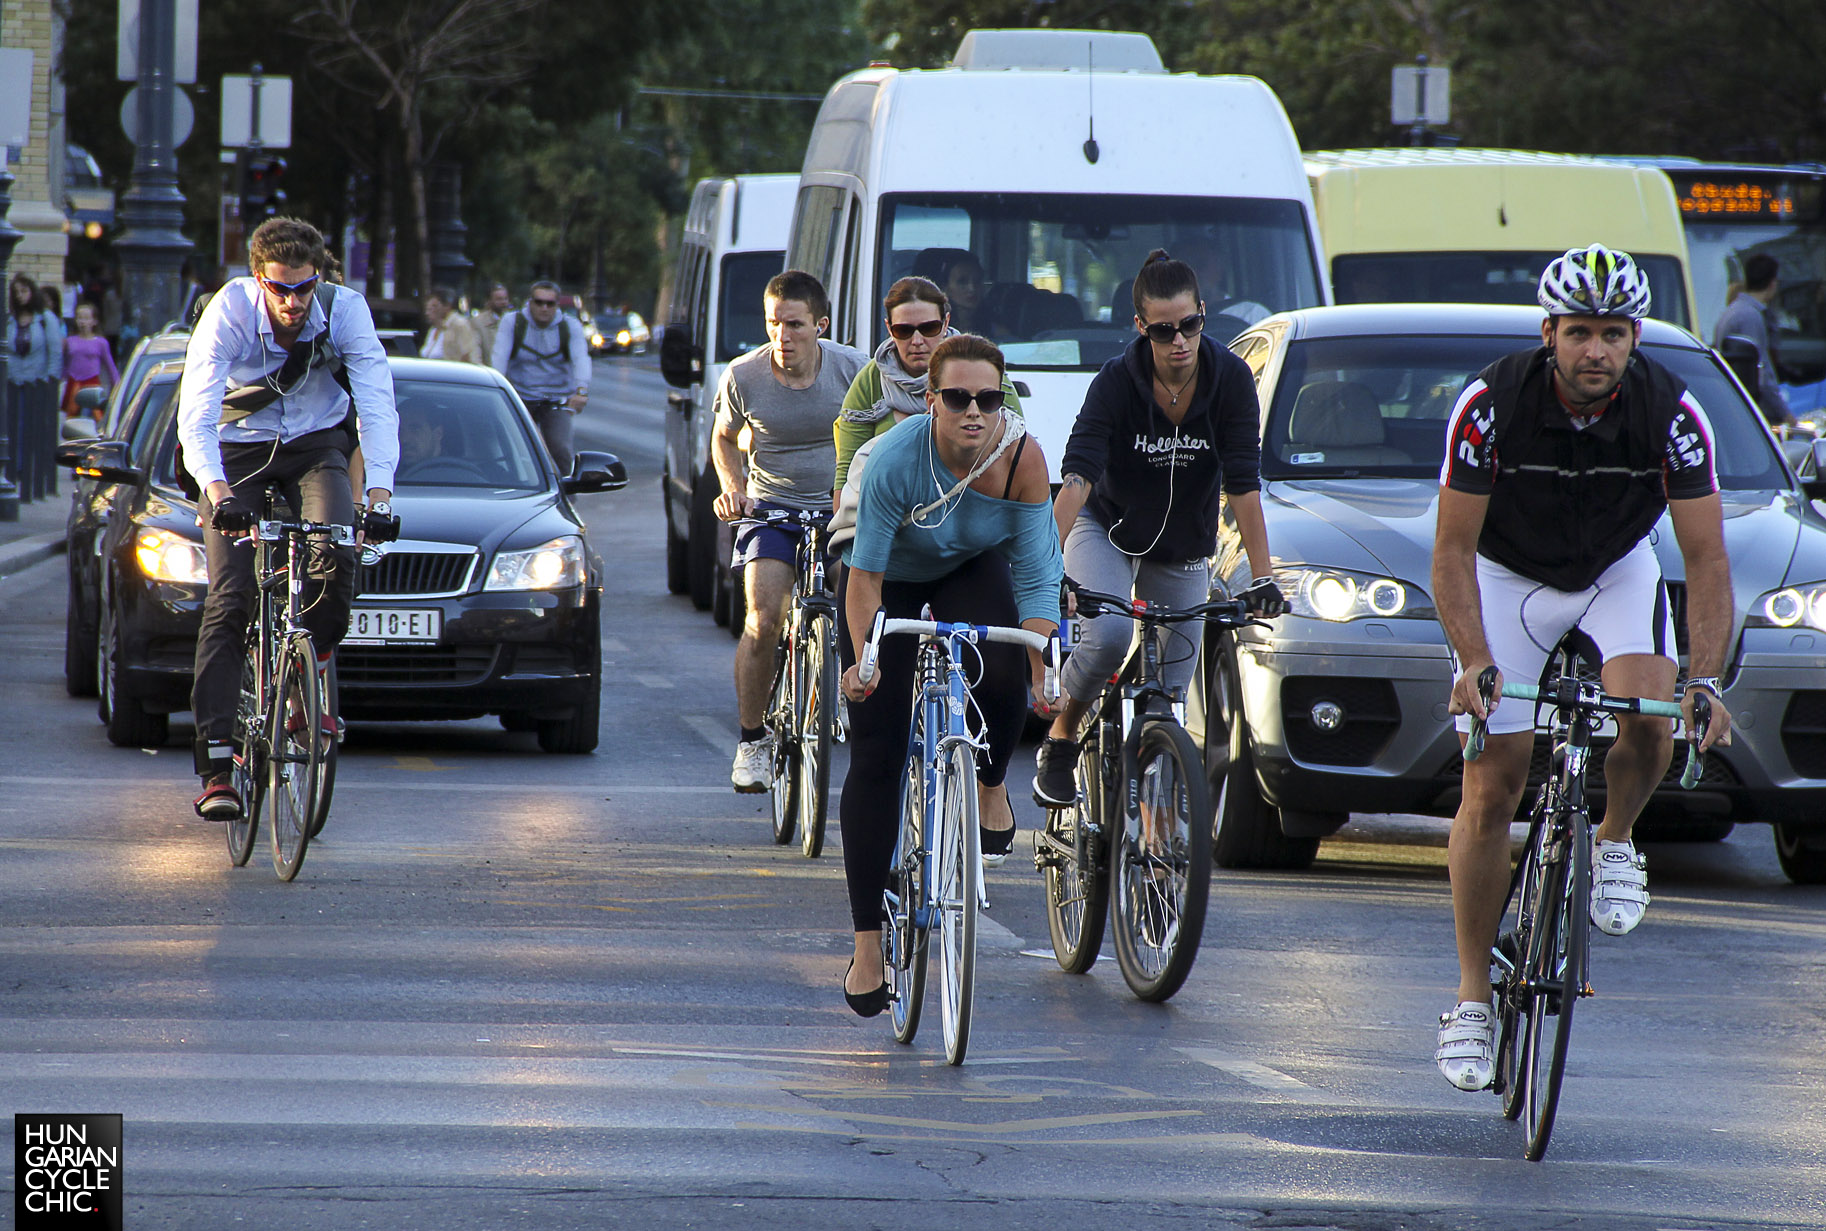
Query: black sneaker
[
  {"x": 1055, "y": 784},
  {"x": 997, "y": 843}
]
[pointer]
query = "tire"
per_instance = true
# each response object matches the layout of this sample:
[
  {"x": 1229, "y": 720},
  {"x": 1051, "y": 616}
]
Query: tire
[
  {"x": 959, "y": 860},
  {"x": 329, "y": 699},
  {"x": 1557, "y": 955},
  {"x": 1802, "y": 852},
  {"x": 818, "y": 689},
  {"x": 1074, "y": 859},
  {"x": 79, "y": 679},
  {"x": 250, "y": 765},
  {"x": 738, "y": 602},
  {"x": 780, "y": 720},
  {"x": 1246, "y": 829},
  {"x": 1510, "y": 991},
  {"x": 292, "y": 771},
  {"x": 678, "y": 547},
  {"x": 579, "y": 734},
  {"x": 1161, "y": 892},
  {"x": 904, "y": 941},
  {"x": 701, "y": 563},
  {"x": 130, "y": 724}
]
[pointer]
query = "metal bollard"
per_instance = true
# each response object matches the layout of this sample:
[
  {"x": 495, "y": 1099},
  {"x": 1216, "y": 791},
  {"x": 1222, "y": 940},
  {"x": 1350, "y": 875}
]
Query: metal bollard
[{"x": 9, "y": 490}]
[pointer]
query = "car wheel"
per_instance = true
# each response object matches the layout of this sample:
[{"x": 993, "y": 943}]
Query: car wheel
[
  {"x": 1245, "y": 828},
  {"x": 78, "y": 647},
  {"x": 1802, "y": 852},
  {"x": 701, "y": 545},
  {"x": 580, "y": 732},
  {"x": 678, "y": 556},
  {"x": 130, "y": 724}
]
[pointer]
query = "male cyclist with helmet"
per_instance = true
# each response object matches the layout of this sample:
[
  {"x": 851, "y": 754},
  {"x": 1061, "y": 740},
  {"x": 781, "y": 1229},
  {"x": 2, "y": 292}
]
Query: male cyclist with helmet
[{"x": 1559, "y": 462}]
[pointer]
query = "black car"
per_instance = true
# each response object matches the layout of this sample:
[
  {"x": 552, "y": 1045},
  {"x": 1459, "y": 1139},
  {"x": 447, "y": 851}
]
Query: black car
[{"x": 489, "y": 604}]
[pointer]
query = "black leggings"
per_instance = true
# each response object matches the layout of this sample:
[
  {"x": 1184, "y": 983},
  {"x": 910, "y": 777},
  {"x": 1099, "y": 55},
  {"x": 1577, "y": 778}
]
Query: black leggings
[{"x": 979, "y": 591}]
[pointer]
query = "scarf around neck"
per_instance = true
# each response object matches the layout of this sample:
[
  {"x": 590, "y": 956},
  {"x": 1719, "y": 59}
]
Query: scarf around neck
[{"x": 899, "y": 390}]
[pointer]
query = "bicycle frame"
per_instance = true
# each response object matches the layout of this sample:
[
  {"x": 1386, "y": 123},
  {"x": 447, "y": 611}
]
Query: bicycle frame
[{"x": 945, "y": 703}]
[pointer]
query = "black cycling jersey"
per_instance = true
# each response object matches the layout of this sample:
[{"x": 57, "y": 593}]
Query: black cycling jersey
[{"x": 1569, "y": 498}]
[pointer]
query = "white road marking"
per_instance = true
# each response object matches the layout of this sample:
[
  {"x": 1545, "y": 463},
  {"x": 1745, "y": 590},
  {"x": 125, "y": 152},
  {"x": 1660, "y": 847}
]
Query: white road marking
[
  {"x": 654, "y": 681},
  {"x": 715, "y": 733},
  {"x": 1258, "y": 1075}
]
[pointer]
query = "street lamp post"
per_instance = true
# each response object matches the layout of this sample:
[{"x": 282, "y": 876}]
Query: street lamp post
[{"x": 153, "y": 248}]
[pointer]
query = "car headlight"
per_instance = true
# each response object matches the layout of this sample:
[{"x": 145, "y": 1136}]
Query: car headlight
[
  {"x": 1790, "y": 607},
  {"x": 623, "y": 338},
  {"x": 1338, "y": 595},
  {"x": 546, "y": 567},
  {"x": 164, "y": 556},
  {"x": 595, "y": 339}
]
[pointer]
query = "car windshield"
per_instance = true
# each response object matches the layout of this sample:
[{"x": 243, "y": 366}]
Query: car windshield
[
  {"x": 463, "y": 435},
  {"x": 1483, "y": 277},
  {"x": 742, "y": 325},
  {"x": 1378, "y": 406},
  {"x": 1049, "y": 276}
]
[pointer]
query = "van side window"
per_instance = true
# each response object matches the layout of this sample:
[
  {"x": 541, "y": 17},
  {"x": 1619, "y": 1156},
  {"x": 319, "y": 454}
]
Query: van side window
[
  {"x": 700, "y": 297},
  {"x": 849, "y": 321},
  {"x": 818, "y": 218}
]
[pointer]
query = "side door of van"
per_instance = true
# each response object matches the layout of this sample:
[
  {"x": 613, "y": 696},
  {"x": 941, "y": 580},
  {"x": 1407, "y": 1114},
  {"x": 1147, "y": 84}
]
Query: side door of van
[{"x": 679, "y": 480}]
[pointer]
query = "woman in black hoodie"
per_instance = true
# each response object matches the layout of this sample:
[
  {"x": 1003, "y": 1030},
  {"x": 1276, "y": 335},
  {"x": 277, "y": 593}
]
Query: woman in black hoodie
[{"x": 1168, "y": 427}]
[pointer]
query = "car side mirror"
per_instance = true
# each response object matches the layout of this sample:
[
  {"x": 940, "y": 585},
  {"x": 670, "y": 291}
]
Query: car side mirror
[
  {"x": 1813, "y": 469},
  {"x": 681, "y": 359},
  {"x": 91, "y": 399},
  {"x": 79, "y": 427},
  {"x": 102, "y": 459},
  {"x": 595, "y": 472},
  {"x": 1740, "y": 356}
]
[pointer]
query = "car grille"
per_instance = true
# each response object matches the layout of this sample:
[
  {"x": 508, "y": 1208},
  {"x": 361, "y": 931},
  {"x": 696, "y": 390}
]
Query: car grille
[
  {"x": 544, "y": 660},
  {"x": 403, "y": 572},
  {"x": 400, "y": 666},
  {"x": 1371, "y": 718},
  {"x": 1804, "y": 733}
]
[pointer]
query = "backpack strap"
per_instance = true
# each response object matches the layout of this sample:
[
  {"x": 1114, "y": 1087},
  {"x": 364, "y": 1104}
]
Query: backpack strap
[{"x": 519, "y": 335}]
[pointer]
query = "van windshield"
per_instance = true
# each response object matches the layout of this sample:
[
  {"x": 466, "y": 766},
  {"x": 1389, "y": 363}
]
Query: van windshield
[
  {"x": 1048, "y": 276},
  {"x": 1483, "y": 277}
]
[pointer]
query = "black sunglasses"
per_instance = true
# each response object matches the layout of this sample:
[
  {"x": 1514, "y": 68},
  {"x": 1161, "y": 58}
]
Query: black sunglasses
[
  {"x": 1164, "y": 331},
  {"x": 959, "y": 399},
  {"x": 288, "y": 290},
  {"x": 543, "y": 303},
  {"x": 925, "y": 329}
]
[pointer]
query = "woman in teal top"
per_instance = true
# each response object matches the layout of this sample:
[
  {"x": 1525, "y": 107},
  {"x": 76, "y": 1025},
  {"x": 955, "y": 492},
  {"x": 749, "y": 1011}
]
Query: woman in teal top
[{"x": 955, "y": 512}]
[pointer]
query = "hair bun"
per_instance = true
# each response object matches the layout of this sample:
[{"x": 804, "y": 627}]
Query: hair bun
[{"x": 1159, "y": 254}]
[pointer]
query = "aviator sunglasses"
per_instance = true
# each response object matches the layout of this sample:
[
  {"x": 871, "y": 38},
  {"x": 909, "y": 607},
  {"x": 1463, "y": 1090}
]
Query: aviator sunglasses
[
  {"x": 959, "y": 399},
  {"x": 290, "y": 290},
  {"x": 1163, "y": 331},
  {"x": 925, "y": 329}
]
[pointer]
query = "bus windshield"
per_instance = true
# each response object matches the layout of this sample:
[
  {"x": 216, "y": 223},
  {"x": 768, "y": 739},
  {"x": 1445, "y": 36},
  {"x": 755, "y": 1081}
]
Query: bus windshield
[{"x": 1049, "y": 276}]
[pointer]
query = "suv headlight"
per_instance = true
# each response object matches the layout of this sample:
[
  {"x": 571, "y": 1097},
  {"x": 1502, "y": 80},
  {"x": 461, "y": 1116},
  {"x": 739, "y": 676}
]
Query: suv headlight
[
  {"x": 549, "y": 566},
  {"x": 164, "y": 556},
  {"x": 1790, "y": 607},
  {"x": 1339, "y": 595}
]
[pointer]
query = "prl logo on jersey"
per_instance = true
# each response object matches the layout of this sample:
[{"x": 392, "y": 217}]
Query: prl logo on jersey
[
  {"x": 1688, "y": 443},
  {"x": 1478, "y": 421},
  {"x": 68, "y": 1170}
]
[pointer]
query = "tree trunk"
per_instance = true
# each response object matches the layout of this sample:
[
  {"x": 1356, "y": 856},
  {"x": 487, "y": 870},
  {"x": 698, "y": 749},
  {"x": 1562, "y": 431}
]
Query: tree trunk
[{"x": 413, "y": 133}]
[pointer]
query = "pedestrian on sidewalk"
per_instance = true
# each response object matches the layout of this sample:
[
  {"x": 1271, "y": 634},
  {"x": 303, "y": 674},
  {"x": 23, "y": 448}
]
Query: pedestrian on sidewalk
[{"x": 85, "y": 357}]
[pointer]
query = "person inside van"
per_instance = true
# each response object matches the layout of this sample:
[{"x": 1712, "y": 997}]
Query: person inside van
[{"x": 959, "y": 275}]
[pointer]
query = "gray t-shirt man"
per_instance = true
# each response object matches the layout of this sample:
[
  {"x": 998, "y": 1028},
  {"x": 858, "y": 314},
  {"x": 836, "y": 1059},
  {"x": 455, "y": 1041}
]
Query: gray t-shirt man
[{"x": 792, "y": 456}]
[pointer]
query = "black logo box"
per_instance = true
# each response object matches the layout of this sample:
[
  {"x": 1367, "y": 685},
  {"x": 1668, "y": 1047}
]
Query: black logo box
[{"x": 68, "y": 1171}]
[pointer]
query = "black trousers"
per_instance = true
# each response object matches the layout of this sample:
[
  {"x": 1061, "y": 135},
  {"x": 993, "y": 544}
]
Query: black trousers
[
  {"x": 979, "y": 591},
  {"x": 313, "y": 474}
]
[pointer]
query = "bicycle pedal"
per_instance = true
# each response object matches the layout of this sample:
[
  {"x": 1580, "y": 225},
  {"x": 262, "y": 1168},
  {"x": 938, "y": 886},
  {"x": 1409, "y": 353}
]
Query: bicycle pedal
[{"x": 1588, "y": 990}]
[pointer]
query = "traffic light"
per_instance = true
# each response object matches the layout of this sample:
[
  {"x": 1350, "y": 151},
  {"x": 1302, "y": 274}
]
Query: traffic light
[{"x": 262, "y": 191}]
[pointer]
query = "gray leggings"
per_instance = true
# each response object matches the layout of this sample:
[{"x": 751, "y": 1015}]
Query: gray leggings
[{"x": 1095, "y": 563}]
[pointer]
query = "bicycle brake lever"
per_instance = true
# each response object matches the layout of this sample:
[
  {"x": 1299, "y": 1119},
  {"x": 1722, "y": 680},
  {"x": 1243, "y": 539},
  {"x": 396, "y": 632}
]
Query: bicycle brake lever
[{"x": 1702, "y": 722}]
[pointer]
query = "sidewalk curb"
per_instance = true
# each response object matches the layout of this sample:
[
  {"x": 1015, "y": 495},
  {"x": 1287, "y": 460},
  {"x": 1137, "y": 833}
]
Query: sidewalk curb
[{"x": 18, "y": 556}]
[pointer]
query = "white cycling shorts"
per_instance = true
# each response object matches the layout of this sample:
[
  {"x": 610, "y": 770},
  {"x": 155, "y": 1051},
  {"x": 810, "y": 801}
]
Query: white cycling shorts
[{"x": 1626, "y": 611}]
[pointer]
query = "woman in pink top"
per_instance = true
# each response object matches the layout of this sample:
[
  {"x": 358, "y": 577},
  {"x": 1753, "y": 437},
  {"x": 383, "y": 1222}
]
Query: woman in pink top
[{"x": 85, "y": 357}]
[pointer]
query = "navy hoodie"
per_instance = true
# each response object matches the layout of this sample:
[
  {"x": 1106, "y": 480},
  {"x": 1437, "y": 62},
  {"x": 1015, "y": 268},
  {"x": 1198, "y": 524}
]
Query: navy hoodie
[{"x": 1155, "y": 487}]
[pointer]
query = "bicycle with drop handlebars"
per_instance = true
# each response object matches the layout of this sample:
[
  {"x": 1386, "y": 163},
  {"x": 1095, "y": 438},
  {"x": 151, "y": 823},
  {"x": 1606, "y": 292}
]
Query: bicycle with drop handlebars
[{"x": 1540, "y": 962}]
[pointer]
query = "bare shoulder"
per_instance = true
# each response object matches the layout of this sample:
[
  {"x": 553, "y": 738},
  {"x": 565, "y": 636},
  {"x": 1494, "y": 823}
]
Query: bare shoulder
[{"x": 1032, "y": 484}]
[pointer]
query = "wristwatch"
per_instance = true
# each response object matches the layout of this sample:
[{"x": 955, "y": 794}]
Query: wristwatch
[
  {"x": 1707, "y": 682},
  {"x": 381, "y": 507}
]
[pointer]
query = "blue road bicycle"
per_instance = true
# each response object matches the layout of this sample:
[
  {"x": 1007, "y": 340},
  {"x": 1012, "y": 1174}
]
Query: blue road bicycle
[{"x": 935, "y": 883}]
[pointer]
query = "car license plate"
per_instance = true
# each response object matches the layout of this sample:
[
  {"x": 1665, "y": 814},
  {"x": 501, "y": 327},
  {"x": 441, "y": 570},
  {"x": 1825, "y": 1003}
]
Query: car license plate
[
  {"x": 1070, "y": 632},
  {"x": 387, "y": 625}
]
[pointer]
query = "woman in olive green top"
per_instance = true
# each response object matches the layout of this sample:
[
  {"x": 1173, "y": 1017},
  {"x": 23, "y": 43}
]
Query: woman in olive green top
[{"x": 892, "y": 385}]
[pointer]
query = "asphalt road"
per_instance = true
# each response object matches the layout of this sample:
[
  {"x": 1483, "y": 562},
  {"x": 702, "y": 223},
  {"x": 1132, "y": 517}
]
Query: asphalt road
[{"x": 514, "y": 990}]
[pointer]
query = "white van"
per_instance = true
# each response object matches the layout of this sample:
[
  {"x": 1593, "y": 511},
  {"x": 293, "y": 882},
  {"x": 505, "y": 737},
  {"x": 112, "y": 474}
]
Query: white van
[
  {"x": 1031, "y": 178},
  {"x": 734, "y": 240}
]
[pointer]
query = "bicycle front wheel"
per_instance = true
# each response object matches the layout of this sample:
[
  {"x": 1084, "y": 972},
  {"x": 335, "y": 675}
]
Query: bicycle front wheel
[
  {"x": 958, "y": 851},
  {"x": 1557, "y": 961},
  {"x": 250, "y": 762},
  {"x": 1072, "y": 854},
  {"x": 902, "y": 905},
  {"x": 1161, "y": 860},
  {"x": 331, "y": 740},
  {"x": 818, "y": 693},
  {"x": 292, "y": 771},
  {"x": 785, "y": 730}
]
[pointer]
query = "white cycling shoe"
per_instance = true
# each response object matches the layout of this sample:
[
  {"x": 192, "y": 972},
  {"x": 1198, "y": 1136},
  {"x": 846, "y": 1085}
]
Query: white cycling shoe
[
  {"x": 1467, "y": 1045},
  {"x": 753, "y": 770},
  {"x": 1619, "y": 888}
]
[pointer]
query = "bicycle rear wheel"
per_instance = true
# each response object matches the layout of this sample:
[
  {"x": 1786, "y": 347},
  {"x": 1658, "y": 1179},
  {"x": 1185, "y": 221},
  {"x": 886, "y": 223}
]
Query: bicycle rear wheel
[
  {"x": 904, "y": 937},
  {"x": 1072, "y": 855},
  {"x": 818, "y": 688},
  {"x": 1557, "y": 960},
  {"x": 250, "y": 762},
  {"x": 1161, "y": 859},
  {"x": 293, "y": 769},
  {"x": 958, "y": 851},
  {"x": 781, "y": 723}
]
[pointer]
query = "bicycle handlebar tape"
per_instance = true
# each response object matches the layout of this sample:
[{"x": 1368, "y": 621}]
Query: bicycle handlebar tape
[
  {"x": 865, "y": 664},
  {"x": 1702, "y": 722},
  {"x": 1051, "y": 685}
]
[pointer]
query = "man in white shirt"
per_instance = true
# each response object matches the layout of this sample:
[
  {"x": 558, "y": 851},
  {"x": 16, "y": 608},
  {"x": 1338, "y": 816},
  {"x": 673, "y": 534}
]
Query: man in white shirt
[{"x": 268, "y": 378}]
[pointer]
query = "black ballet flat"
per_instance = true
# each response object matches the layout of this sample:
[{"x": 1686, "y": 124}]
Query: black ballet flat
[{"x": 864, "y": 1004}]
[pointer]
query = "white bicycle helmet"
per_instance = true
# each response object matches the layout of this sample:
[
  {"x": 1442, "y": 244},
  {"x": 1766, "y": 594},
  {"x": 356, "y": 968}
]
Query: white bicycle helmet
[{"x": 1594, "y": 281}]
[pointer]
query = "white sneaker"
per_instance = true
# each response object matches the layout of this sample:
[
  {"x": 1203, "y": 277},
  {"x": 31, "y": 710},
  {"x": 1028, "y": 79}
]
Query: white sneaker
[
  {"x": 1619, "y": 887},
  {"x": 753, "y": 771},
  {"x": 1467, "y": 1045}
]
